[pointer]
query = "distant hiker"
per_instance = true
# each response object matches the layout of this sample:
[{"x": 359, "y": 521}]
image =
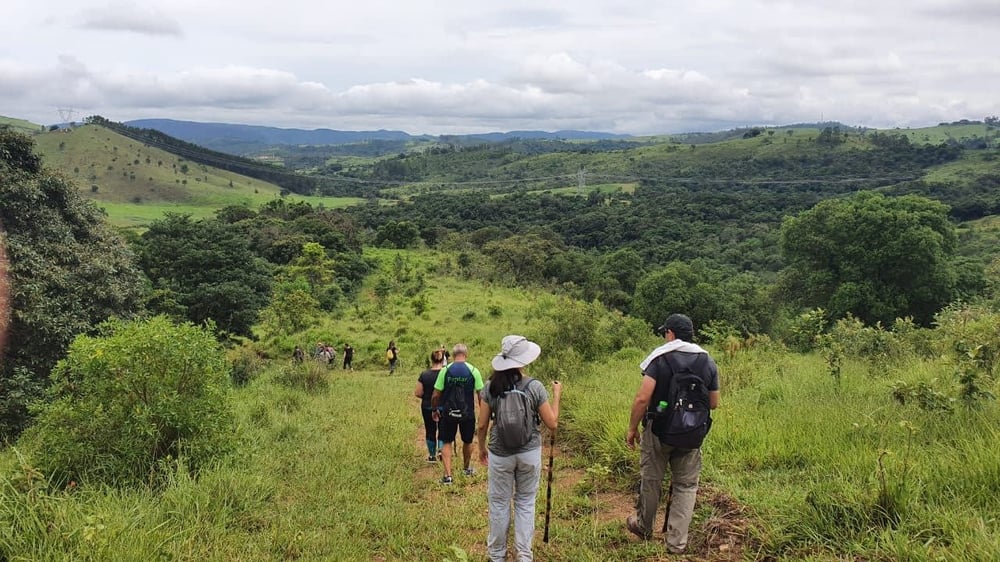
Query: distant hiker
[
  {"x": 456, "y": 394},
  {"x": 678, "y": 378},
  {"x": 348, "y": 356},
  {"x": 324, "y": 355},
  {"x": 331, "y": 356},
  {"x": 320, "y": 346},
  {"x": 447, "y": 356},
  {"x": 298, "y": 355},
  {"x": 514, "y": 456},
  {"x": 424, "y": 391},
  {"x": 392, "y": 356}
]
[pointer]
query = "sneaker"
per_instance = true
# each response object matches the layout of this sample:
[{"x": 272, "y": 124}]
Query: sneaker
[
  {"x": 674, "y": 550},
  {"x": 432, "y": 458},
  {"x": 632, "y": 524},
  {"x": 447, "y": 480},
  {"x": 469, "y": 471}
]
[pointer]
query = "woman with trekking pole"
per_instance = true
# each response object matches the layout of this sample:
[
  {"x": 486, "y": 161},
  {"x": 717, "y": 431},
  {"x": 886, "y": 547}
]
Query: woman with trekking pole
[{"x": 513, "y": 405}]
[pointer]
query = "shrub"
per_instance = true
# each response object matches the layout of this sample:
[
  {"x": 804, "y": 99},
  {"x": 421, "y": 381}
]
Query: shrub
[
  {"x": 567, "y": 324},
  {"x": 244, "y": 364},
  {"x": 805, "y": 329},
  {"x": 125, "y": 406},
  {"x": 310, "y": 376}
]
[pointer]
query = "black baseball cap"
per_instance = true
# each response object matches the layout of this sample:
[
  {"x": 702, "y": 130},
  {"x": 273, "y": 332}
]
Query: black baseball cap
[{"x": 679, "y": 324}]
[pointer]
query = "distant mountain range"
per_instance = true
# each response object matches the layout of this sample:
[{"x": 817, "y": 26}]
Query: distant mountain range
[{"x": 235, "y": 138}]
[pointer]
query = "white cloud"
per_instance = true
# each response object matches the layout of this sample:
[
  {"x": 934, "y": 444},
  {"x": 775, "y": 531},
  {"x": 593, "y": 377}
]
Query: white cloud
[
  {"x": 129, "y": 16},
  {"x": 454, "y": 66}
]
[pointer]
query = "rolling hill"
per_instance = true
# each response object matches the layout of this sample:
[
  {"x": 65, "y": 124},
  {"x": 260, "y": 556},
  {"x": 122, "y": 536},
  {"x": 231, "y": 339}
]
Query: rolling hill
[
  {"x": 137, "y": 183},
  {"x": 20, "y": 125},
  {"x": 243, "y": 139}
]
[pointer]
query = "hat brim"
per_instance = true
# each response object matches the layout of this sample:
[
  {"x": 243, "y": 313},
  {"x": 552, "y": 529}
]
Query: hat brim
[{"x": 501, "y": 363}]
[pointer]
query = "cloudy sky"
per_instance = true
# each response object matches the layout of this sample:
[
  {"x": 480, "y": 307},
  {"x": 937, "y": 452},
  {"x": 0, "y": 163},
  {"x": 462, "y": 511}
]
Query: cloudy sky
[{"x": 461, "y": 66}]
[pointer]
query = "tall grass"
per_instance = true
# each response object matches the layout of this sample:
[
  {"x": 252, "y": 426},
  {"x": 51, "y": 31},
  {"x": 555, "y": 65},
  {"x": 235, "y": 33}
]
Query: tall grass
[{"x": 334, "y": 470}]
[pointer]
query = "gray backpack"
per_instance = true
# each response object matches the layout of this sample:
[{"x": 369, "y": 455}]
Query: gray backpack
[{"x": 514, "y": 416}]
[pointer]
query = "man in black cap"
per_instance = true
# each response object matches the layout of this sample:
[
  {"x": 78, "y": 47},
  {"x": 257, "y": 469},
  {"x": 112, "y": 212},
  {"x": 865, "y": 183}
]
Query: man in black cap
[{"x": 695, "y": 391}]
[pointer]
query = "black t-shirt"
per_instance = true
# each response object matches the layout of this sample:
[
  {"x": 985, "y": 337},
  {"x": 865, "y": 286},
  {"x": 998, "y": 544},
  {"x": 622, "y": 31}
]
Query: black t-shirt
[
  {"x": 348, "y": 352},
  {"x": 427, "y": 379}
]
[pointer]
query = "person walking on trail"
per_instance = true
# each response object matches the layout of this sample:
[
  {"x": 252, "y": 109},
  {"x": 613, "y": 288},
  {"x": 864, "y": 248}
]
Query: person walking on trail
[
  {"x": 424, "y": 391},
  {"x": 514, "y": 454},
  {"x": 455, "y": 400},
  {"x": 677, "y": 377},
  {"x": 392, "y": 355},
  {"x": 447, "y": 356},
  {"x": 348, "y": 357},
  {"x": 298, "y": 355}
]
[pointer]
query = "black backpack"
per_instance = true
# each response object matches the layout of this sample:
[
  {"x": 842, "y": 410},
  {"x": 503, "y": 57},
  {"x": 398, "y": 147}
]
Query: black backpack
[
  {"x": 459, "y": 386},
  {"x": 514, "y": 416},
  {"x": 687, "y": 418}
]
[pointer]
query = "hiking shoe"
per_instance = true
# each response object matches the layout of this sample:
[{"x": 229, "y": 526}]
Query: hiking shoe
[
  {"x": 674, "y": 550},
  {"x": 469, "y": 471},
  {"x": 432, "y": 458},
  {"x": 632, "y": 524},
  {"x": 447, "y": 480}
]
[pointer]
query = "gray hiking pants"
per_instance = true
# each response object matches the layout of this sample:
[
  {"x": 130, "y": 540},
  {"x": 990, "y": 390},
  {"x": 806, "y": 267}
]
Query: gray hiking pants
[
  {"x": 514, "y": 477},
  {"x": 685, "y": 467}
]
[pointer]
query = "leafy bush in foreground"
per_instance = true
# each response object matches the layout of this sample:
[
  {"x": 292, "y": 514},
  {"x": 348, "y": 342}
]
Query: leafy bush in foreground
[
  {"x": 126, "y": 405},
  {"x": 68, "y": 272}
]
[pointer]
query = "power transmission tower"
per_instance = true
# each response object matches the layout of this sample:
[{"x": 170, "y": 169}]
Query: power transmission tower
[{"x": 66, "y": 114}]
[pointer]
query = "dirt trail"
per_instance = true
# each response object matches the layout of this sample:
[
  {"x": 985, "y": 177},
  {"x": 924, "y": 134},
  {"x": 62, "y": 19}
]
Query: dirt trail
[{"x": 721, "y": 537}]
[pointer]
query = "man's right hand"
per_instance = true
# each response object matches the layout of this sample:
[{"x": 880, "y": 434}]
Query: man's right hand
[{"x": 630, "y": 438}]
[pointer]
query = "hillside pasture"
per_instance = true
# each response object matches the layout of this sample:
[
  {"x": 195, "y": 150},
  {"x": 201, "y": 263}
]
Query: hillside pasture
[
  {"x": 136, "y": 184},
  {"x": 21, "y": 125}
]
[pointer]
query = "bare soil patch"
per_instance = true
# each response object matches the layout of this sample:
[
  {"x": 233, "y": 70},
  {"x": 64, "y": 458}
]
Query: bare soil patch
[{"x": 725, "y": 535}]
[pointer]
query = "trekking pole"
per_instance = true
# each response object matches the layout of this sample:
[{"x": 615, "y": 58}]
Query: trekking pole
[
  {"x": 548, "y": 493},
  {"x": 670, "y": 496}
]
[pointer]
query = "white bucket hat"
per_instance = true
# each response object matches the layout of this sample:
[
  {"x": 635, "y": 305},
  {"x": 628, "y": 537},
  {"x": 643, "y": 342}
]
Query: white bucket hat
[{"x": 515, "y": 352}]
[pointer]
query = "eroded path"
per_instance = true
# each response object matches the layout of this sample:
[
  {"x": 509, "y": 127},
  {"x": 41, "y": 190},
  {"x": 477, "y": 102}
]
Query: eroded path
[{"x": 587, "y": 519}]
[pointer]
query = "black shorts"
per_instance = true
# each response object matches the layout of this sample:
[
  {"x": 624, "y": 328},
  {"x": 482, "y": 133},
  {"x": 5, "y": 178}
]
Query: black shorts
[{"x": 447, "y": 428}]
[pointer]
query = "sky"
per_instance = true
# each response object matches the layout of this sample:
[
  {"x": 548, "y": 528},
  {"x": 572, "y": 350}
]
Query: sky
[{"x": 465, "y": 66}]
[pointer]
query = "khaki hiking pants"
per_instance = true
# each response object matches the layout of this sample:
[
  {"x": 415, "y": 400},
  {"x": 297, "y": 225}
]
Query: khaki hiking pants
[{"x": 685, "y": 467}]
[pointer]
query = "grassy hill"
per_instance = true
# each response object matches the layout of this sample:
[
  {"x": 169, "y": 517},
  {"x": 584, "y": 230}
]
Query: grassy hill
[
  {"x": 788, "y": 155},
  {"x": 20, "y": 125},
  {"x": 136, "y": 183},
  {"x": 944, "y": 133},
  {"x": 800, "y": 465}
]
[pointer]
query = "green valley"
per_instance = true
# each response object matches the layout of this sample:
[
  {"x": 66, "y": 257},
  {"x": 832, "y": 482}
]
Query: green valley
[{"x": 847, "y": 283}]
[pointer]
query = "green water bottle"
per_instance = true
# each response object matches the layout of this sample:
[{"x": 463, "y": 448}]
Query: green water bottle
[{"x": 661, "y": 407}]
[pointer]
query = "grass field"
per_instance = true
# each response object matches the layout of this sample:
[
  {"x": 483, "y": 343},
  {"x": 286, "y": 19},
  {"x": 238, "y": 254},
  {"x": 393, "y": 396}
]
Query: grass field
[
  {"x": 136, "y": 184},
  {"x": 799, "y": 465},
  {"x": 21, "y": 125},
  {"x": 942, "y": 133}
]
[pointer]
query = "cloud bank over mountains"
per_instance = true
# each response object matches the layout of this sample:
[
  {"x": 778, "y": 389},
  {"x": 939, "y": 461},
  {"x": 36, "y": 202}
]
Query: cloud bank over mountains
[{"x": 460, "y": 67}]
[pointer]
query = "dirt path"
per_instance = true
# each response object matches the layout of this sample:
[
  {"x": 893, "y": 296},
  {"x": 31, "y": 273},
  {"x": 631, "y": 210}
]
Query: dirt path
[{"x": 724, "y": 535}]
